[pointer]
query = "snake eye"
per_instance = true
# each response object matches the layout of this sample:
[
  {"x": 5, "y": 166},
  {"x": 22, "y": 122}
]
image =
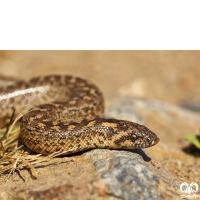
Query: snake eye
[
  {"x": 148, "y": 140},
  {"x": 134, "y": 138}
]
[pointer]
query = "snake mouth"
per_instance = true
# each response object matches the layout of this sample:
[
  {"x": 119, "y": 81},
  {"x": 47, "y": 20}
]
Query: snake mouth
[{"x": 154, "y": 142}]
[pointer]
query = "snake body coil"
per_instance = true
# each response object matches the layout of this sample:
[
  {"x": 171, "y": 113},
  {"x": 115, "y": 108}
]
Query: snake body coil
[{"x": 66, "y": 116}]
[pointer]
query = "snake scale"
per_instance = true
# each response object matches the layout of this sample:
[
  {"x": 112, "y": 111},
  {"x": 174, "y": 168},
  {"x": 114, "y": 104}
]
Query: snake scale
[{"x": 65, "y": 114}]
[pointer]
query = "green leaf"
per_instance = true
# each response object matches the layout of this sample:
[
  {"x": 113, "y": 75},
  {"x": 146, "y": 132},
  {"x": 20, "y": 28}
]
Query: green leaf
[{"x": 194, "y": 139}]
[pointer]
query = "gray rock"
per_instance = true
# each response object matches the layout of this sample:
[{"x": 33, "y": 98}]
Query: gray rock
[
  {"x": 127, "y": 176},
  {"x": 135, "y": 110}
]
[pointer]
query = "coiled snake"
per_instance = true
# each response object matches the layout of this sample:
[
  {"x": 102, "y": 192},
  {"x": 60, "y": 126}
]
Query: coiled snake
[{"x": 66, "y": 116}]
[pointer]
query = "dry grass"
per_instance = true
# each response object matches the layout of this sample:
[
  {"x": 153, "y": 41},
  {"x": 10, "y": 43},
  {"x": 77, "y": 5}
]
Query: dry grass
[{"x": 12, "y": 156}]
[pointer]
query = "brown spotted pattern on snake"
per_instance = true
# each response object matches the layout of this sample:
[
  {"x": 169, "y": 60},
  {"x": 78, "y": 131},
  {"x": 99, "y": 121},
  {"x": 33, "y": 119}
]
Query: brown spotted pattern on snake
[{"x": 65, "y": 114}]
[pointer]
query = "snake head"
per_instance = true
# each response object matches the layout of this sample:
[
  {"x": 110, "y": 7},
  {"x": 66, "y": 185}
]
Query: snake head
[
  {"x": 142, "y": 137},
  {"x": 130, "y": 135},
  {"x": 145, "y": 139}
]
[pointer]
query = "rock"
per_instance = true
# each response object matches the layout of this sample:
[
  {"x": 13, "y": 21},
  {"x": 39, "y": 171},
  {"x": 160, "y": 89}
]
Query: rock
[{"x": 126, "y": 176}]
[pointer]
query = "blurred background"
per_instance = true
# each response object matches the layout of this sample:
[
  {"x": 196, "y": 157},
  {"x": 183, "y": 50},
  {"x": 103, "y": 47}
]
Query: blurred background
[{"x": 168, "y": 76}]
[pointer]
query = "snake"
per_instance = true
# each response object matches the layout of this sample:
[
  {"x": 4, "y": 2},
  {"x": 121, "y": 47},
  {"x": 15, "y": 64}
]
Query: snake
[{"x": 65, "y": 114}]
